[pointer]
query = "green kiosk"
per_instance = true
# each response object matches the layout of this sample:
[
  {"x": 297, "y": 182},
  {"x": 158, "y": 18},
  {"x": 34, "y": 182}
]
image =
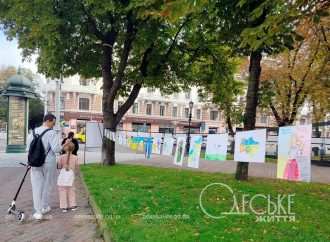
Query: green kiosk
[{"x": 18, "y": 90}]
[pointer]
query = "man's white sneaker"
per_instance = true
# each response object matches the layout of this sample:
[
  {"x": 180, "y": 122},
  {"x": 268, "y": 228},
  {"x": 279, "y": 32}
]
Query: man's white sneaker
[
  {"x": 46, "y": 210},
  {"x": 37, "y": 216}
]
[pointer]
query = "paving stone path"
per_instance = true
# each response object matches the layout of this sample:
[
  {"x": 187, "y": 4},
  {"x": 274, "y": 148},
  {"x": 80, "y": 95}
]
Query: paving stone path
[{"x": 77, "y": 226}]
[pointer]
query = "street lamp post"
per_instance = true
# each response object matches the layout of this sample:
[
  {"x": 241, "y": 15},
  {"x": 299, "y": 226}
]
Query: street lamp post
[
  {"x": 46, "y": 99},
  {"x": 58, "y": 106},
  {"x": 191, "y": 104}
]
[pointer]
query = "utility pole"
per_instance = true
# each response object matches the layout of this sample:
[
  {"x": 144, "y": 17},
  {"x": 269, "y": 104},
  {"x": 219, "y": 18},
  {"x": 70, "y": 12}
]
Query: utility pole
[
  {"x": 46, "y": 99},
  {"x": 58, "y": 105}
]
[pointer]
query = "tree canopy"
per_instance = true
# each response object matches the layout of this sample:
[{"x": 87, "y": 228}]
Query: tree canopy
[
  {"x": 255, "y": 28},
  {"x": 300, "y": 76},
  {"x": 128, "y": 43},
  {"x": 157, "y": 43}
]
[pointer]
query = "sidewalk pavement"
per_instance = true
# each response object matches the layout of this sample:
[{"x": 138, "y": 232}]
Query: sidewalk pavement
[{"x": 79, "y": 225}]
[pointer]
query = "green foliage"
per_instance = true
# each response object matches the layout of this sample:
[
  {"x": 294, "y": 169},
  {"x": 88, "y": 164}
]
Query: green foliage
[
  {"x": 36, "y": 113},
  {"x": 251, "y": 25},
  {"x": 3, "y": 108},
  {"x": 63, "y": 33},
  {"x": 5, "y": 73},
  {"x": 270, "y": 29},
  {"x": 219, "y": 86},
  {"x": 301, "y": 75}
]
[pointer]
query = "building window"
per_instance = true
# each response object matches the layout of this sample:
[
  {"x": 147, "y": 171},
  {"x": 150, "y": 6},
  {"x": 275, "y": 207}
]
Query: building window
[
  {"x": 83, "y": 103},
  {"x": 161, "y": 110},
  {"x": 150, "y": 90},
  {"x": 263, "y": 119},
  {"x": 214, "y": 115},
  {"x": 135, "y": 109},
  {"x": 149, "y": 109},
  {"x": 302, "y": 121},
  {"x": 83, "y": 82},
  {"x": 186, "y": 112},
  {"x": 198, "y": 114},
  {"x": 141, "y": 127},
  {"x": 187, "y": 94},
  {"x": 166, "y": 130},
  {"x": 68, "y": 96},
  {"x": 175, "y": 111},
  {"x": 62, "y": 103},
  {"x": 213, "y": 130}
]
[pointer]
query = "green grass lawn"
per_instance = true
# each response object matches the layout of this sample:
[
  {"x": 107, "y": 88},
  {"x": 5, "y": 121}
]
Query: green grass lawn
[{"x": 157, "y": 204}]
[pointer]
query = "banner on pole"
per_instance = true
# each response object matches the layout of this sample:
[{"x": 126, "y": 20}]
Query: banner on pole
[
  {"x": 194, "y": 151},
  {"x": 94, "y": 134},
  {"x": 168, "y": 146},
  {"x": 250, "y": 146},
  {"x": 136, "y": 143},
  {"x": 179, "y": 151},
  {"x": 148, "y": 146},
  {"x": 216, "y": 147},
  {"x": 294, "y": 153},
  {"x": 157, "y": 144}
]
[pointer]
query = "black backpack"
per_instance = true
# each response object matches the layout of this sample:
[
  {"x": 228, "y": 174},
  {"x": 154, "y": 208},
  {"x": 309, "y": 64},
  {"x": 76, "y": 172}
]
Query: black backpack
[{"x": 37, "y": 154}]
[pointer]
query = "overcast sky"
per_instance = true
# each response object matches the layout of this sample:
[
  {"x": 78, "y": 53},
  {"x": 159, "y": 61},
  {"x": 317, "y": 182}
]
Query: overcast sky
[{"x": 10, "y": 55}]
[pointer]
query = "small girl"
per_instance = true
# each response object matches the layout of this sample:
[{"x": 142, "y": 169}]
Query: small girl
[{"x": 68, "y": 164}]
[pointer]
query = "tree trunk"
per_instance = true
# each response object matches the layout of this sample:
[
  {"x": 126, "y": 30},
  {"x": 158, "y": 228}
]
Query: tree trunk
[
  {"x": 108, "y": 151},
  {"x": 229, "y": 125},
  {"x": 242, "y": 168},
  {"x": 111, "y": 121},
  {"x": 108, "y": 145}
]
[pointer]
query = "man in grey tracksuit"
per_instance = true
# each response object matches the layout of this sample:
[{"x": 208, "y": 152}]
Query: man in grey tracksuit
[{"x": 43, "y": 178}]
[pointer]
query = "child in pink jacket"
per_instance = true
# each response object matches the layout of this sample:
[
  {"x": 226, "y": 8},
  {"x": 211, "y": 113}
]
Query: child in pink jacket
[{"x": 67, "y": 193}]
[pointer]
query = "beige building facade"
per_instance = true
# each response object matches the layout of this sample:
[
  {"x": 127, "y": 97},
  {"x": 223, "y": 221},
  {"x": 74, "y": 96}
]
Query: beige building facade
[{"x": 81, "y": 101}]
